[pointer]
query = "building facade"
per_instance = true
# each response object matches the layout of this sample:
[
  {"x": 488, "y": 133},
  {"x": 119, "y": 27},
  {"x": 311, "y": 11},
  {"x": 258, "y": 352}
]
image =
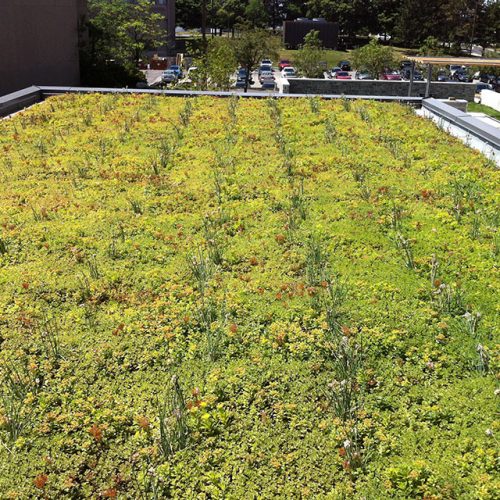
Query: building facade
[
  {"x": 295, "y": 31},
  {"x": 167, "y": 9},
  {"x": 39, "y": 43}
]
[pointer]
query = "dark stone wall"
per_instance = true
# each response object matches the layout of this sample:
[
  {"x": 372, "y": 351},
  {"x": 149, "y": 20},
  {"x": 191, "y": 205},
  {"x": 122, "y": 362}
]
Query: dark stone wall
[
  {"x": 39, "y": 43},
  {"x": 381, "y": 87}
]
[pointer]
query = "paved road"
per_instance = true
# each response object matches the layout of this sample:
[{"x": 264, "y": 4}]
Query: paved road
[{"x": 153, "y": 75}]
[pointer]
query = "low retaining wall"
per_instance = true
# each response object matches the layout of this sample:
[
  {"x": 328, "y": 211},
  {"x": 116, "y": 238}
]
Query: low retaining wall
[
  {"x": 474, "y": 132},
  {"x": 438, "y": 90},
  {"x": 491, "y": 99},
  {"x": 16, "y": 101}
]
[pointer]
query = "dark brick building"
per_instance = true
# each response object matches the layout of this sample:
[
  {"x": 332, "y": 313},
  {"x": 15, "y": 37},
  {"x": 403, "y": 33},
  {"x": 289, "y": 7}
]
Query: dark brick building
[
  {"x": 39, "y": 42},
  {"x": 295, "y": 31}
]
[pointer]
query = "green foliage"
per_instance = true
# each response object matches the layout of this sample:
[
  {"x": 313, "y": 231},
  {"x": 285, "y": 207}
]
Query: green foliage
[
  {"x": 308, "y": 59},
  {"x": 118, "y": 34},
  {"x": 374, "y": 58},
  {"x": 256, "y": 14},
  {"x": 216, "y": 66},
  {"x": 431, "y": 47},
  {"x": 260, "y": 266},
  {"x": 252, "y": 46}
]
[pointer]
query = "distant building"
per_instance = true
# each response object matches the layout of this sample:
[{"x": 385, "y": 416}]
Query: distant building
[
  {"x": 167, "y": 9},
  {"x": 39, "y": 43},
  {"x": 295, "y": 31}
]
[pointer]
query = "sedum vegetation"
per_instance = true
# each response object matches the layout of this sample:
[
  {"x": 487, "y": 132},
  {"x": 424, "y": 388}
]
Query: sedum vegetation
[{"x": 223, "y": 298}]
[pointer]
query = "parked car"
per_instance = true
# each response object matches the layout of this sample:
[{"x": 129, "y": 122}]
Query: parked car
[
  {"x": 383, "y": 37},
  {"x": 342, "y": 75},
  {"x": 391, "y": 75},
  {"x": 288, "y": 72},
  {"x": 485, "y": 77},
  {"x": 461, "y": 76},
  {"x": 266, "y": 62},
  {"x": 242, "y": 74},
  {"x": 443, "y": 76},
  {"x": 177, "y": 70},
  {"x": 406, "y": 65},
  {"x": 455, "y": 67},
  {"x": 483, "y": 86},
  {"x": 265, "y": 67},
  {"x": 266, "y": 75},
  {"x": 169, "y": 76},
  {"x": 417, "y": 76},
  {"x": 345, "y": 65},
  {"x": 363, "y": 75},
  {"x": 284, "y": 63},
  {"x": 334, "y": 71},
  {"x": 268, "y": 83}
]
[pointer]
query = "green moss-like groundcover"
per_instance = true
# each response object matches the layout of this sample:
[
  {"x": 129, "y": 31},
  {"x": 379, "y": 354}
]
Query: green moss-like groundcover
[{"x": 223, "y": 298}]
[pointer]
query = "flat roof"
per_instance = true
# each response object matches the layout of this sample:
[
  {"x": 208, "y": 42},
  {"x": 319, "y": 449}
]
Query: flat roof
[{"x": 462, "y": 61}]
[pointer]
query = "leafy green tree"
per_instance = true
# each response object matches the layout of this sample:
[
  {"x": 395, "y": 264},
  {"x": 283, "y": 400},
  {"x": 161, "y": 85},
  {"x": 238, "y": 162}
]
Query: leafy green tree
[
  {"x": 256, "y": 14},
  {"x": 431, "y": 47},
  {"x": 384, "y": 16},
  {"x": 119, "y": 31},
  {"x": 216, "y": 66},
  {"x": 142, "y": 30},
  {"x": 374, "y": 58},
  {"x": 352, "y": 15},
  {"x": 309, "y": 56},
  {"x": 292, "y": 9},
  {"x": 251, "y": 47},
  {"x": 276, "y": 11}
]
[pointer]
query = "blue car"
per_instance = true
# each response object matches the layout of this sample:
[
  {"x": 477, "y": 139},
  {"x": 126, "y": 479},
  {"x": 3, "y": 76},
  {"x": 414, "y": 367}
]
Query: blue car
[{"x": 177, "y": 70}]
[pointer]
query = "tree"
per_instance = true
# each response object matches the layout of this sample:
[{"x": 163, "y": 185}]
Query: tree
[
  {"x": 251, "y": 47},
  {"x": 276, "y": 11},
  {"x": 214, "y": 69},
  {"x": 352, "y": 15},
  {"x": 374, "y": 58},
  {"x": 309, "y": 57},
  {"x": 384, "y": 16},
  {"x": 141, "y": 29},
  {"x": 255, "y": 14},
  {"x": 431, "y": 47},
  {"x": 119, "y": 31}
]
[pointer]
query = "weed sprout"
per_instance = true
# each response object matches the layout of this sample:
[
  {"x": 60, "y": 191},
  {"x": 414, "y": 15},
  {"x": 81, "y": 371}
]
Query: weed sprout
[
  {"x": 172, "y": 412},
  {"x": 202, "y": 270}
]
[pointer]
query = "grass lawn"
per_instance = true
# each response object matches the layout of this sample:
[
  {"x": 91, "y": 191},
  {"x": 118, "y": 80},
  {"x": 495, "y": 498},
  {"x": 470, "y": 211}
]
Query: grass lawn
[
  {"x": 481, "y": 108},
  {"x": 245, "y": 298}
]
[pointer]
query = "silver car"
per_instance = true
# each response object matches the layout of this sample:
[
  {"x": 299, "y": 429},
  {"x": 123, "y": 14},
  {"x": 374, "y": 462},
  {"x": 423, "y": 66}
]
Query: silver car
[{"x": 169, "y": 76}]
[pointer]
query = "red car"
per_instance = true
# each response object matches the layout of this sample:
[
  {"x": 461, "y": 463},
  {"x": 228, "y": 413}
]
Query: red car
[
  {"x": 342, "y": 75},
  {"x": 391, "y": 75},
  {"x": 284, "y": 63}
]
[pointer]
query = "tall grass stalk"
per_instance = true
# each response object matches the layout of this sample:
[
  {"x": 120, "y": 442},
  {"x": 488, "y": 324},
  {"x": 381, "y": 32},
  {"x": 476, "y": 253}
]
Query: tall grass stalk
[{"x": 172, "y": 413}]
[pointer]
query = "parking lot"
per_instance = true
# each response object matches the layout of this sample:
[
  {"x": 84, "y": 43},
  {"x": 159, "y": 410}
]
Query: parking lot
[{"x": 274, "y": 79}]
